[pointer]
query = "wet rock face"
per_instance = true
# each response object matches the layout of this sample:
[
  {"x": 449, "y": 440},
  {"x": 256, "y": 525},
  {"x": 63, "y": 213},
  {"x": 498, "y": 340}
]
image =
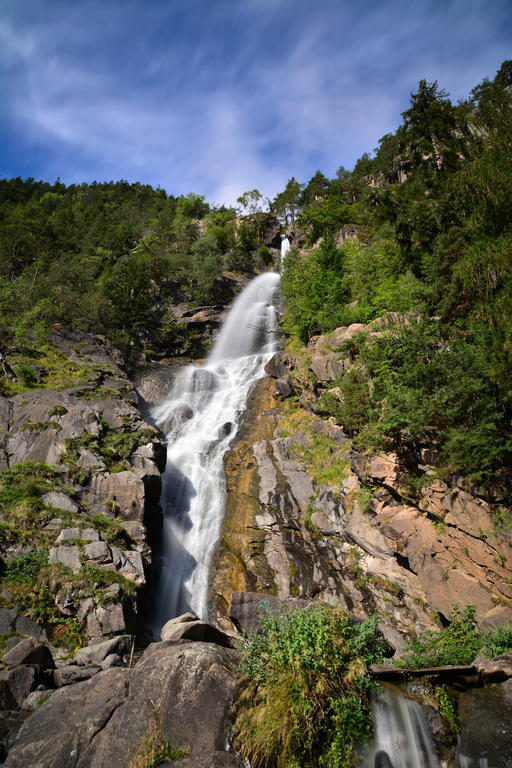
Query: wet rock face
[
  {"x": 486, "y": 733},
  {"x": 104, "y": 720}
]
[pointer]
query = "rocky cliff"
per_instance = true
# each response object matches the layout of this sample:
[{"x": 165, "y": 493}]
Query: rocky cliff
[
  {"x": 309, "y": 517},
  {"x": 81, "y": 487}
]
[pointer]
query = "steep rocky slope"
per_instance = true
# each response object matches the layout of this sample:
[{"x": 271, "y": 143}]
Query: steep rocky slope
[
  {"x": 309, "y": 517},
  {"x": 83, "y": 469}
]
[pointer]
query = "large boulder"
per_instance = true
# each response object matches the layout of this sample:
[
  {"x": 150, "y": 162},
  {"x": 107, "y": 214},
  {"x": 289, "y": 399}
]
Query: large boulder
[
  {"x": 30, "y": 651},
  {"x": 495, "y": 670},
  {"x": 190, "y": 627},
  {"x": 93, "y": 654},
  {"x": 181, "y": 694},
  {"x": 271, "y": 231}
]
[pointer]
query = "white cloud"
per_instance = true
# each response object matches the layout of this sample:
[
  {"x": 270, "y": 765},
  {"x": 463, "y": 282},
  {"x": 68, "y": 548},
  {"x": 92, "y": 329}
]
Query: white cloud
[{"x": 233, "y": 97}]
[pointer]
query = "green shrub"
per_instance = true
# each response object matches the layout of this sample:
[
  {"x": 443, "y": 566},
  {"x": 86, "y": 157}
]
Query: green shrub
[
  {"x": 26, "y": 374},
  {"x": 304, "y": 699},
  {"x": 26, "y": 569},
  {"x": 57, "y": 410},
  {"x": 458, "y": 643}
]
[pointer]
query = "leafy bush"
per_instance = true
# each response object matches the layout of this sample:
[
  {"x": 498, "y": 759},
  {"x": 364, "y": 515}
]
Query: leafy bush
[
  {"x": 305, "y": 690},
  {"x": 26, "y": 569},
  {"x": 458, "y": 643},
  {"x": 26, "y": 374}
]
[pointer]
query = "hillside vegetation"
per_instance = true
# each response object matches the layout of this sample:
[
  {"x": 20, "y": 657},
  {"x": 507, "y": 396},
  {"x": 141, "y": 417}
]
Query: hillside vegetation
[
  {"x": 433, "y": 210},
  {"x": 112, "y": 258}
]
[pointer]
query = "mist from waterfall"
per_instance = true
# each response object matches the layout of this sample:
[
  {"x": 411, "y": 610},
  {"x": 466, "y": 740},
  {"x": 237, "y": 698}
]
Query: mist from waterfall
[{"x": 200, "y": 417}]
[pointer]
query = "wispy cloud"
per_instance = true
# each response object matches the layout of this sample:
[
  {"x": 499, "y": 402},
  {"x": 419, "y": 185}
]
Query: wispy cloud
[{"x": 221, "y": 97}]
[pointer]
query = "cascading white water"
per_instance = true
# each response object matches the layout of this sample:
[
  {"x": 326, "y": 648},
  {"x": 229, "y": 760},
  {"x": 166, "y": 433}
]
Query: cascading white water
[
  {"x": 285, "y": 247},
  {"x": 200, "y": 418},
  {"x": 401, "y": 736}
]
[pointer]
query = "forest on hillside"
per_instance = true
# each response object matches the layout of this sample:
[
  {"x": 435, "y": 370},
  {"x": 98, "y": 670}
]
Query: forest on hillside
[{"x": 432, "y": 207}]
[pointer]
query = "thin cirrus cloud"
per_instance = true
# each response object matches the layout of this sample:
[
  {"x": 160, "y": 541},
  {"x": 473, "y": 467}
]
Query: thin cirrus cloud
[{"x": 220, "y": 97}]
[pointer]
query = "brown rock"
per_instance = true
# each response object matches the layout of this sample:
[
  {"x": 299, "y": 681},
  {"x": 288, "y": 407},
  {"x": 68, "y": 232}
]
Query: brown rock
[{"x": 495, "y": 670}]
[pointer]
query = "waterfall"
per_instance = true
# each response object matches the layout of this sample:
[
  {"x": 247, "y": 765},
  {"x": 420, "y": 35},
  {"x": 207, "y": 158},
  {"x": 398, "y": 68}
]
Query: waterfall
[
  {"x": 285, "y": 247},
  {"x": 200, "y": 418},
  {"x": 401, "y": 736}
]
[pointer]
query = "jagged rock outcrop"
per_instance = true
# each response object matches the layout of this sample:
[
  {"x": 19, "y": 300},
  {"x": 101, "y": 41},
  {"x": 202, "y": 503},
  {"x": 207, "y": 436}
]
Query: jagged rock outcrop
[
  {"x": 295, "y": 235},
  {"x": 106, "y": 489},
  {"x": 307, "y": 517}
]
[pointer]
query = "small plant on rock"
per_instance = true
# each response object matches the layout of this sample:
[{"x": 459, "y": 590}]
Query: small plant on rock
[
  {"x": 458, "y": 643},
  {"x": 153, "y": 752}
]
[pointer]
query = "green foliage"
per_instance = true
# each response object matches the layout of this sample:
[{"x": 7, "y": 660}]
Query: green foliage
[
  {"x": 103, "y": 258},
  {"x": 314, "y": 290},
  {"x": 305, "y": 693},
  {"x": 458, "y": 643},
  {"x": 114, "y": 446},
  {"x": 25, "y": 570},
  {"x": 57, "y": 410},
  {"x": 325, "y": 460},
  {"x": 26, "y": 374},
  {"x": 153, "y": 751},
  {"x": 325, "y": 217},
  {"x": 446, "y": 708}
]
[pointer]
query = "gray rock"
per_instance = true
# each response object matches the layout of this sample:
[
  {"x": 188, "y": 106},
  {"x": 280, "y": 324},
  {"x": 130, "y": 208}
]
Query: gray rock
[
  {"x": 68, "y": 534},
  {"x": 187, "y": 690},
  {"x": 36, "y": 699},
  {"x": 69, "y": 556},
  {"x": 98, "y": 550},
  {"x": 30, "y": 651},
  {"x": 188, "y": 628},
  {"x": 20, "y": 681},
  {"x": 60, "y": 500},
  {"x": 73, "y": 673},
  {"x": 326, "y": 366},
  {"x": 89, "y": 534},
  {"x": 213, "y": 760},
  {"x": 7, "y": 619},
  {"x": 112, "y": 660},
  {"x": 495, "y": 670},
  {"x": 135, "y": 529},
  {"x": 106, "y": 620},
  {"x": 7, "y": 699},
  {"x": 284, "y": 386},
  {"x": 89, "y": 460},
  {"x": 275, "y": 367},
  {"x": 94, "y": 654},
  {"x": 26, "y": 625},
  {"x": 295, "y": 235}
]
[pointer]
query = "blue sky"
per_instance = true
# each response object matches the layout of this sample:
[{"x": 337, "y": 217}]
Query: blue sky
[{"x": 221, "y": 96}]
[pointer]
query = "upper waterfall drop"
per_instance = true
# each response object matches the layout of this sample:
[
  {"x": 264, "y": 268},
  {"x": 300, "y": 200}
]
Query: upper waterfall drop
[
  {"x": 285, "y": 247},
  {"x": 245, "y": 325},
  {"x": 200, "y": 417}
]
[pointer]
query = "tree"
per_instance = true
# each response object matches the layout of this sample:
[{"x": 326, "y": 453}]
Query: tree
[
  {"x": 316, "y": 187},
  {"x": 428, "y": 132},
  {"x": 285, "y": 203},
  {"x": 251, "y": 201}
]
